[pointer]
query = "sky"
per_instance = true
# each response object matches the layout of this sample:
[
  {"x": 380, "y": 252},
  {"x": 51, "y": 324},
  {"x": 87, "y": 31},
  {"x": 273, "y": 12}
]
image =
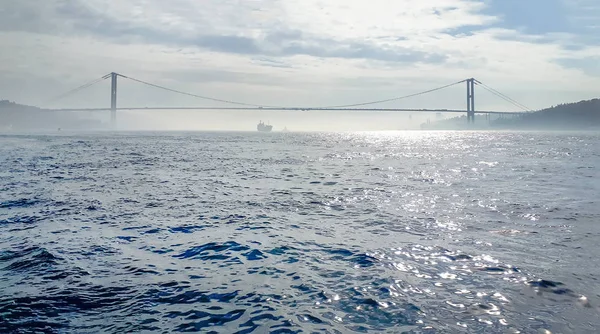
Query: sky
[{"x": 299, "y": 53}]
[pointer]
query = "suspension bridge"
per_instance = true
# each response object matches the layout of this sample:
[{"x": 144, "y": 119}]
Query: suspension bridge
[{"x": 236, "y": 105}]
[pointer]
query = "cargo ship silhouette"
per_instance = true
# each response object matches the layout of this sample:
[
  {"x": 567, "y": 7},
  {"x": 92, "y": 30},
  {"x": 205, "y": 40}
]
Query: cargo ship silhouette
[{"x": 262, "y": 127}]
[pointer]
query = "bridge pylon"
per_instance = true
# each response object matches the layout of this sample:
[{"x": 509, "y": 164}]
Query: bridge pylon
[
  {"x": 113, "y": 100},
  {"x": 471, "y": 100}
]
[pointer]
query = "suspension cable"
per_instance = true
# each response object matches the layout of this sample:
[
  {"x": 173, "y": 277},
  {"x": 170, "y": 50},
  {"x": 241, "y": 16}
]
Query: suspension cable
[
  {"x": 395, "y": 98},
  {"x": 503, "y": 96},
  {"x": 77, "y": 89},
  {"x": 195, "y": 95}
]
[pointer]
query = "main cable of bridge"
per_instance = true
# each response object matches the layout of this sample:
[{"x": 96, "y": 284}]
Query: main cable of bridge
[
  {"x": 270, "y": 106},
  {"x": 195, "y": 95},
  {"x": 503, "y": 96},
  {"x": 77, "y": 89},
  {"x": 395, "y": 98}
]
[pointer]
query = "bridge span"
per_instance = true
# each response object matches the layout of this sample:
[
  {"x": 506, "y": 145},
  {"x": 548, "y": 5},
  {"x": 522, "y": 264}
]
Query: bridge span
[
  {"x": 296, "y": 109},
  {"x": 470, "y": 110}
]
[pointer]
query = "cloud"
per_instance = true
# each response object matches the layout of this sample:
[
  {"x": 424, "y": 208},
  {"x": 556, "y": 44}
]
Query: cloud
[
  {"x": 231, "y": 47},
  {"x": 76, "y": 18},
  {"x": 591, "y": 64}
]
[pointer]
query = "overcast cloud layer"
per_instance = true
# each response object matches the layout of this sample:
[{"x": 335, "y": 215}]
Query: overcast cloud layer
[{"x": 308, "y": 52}]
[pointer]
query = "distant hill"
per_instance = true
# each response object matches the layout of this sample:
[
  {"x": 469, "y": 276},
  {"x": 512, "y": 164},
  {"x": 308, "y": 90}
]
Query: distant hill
[
  {"x": 17, "y": 117},
  {"x": 583, "y": 115}
]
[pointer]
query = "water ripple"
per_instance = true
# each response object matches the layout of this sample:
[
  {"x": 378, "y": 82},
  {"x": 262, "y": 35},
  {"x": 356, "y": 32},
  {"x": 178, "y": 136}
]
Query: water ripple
[{"x": 470, "y": 232}]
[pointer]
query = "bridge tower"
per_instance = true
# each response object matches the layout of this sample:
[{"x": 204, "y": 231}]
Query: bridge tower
[
  {"x": 113, "y": 100},
  {"x": 471, "y": 100}
]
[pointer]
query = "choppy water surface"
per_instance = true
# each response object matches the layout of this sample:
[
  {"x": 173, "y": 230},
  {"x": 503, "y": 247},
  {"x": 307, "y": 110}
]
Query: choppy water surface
[{"x": 288, "y": 233}]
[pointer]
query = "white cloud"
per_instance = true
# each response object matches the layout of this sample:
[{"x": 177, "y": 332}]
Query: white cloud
[
  {"x": 378, "y": 19},
  {"x": 306, "y": 52}
]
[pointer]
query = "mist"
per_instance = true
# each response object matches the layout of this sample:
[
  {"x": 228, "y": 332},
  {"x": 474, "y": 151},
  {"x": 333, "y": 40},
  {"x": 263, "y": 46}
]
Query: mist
[{"x": 220, "y": 120}]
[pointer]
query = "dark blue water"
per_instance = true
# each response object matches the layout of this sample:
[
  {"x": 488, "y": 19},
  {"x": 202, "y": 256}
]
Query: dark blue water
[{"x": 299, "y": 233}]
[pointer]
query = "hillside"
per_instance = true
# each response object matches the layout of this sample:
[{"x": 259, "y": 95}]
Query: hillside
[
  {"x": 583, "y": 115},
  {"x": 18, "y": 117}
]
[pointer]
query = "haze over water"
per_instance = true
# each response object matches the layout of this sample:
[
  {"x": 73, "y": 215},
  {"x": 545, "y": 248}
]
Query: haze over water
[{"x": 378, "y": 232}]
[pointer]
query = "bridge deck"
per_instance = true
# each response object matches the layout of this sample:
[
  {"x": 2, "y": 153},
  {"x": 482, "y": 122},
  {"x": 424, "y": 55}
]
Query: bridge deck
[{"x": 296, "y": 109}]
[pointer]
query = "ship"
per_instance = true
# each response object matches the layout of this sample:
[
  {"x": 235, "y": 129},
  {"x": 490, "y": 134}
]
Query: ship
[{"x": 262, "y": 127}]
